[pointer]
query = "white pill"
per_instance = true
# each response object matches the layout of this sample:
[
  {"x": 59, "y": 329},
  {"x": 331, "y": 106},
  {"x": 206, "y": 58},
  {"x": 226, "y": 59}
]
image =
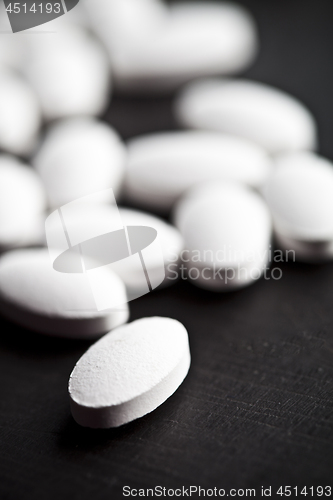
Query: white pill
[
  {"x": 129, "y": 372},
  {"x": 22, "y": 204},
  {"x": 162, "y": 166},
  {"x": 75, "y": 17},
  {"x": 227, "y": 231},
  {"x": 80, "y": 156},
  {"x": 299, "y": 193},
  {"x": 13, "y": 47},
  {"x": 166, "y": 48},
  {"x": 10, "y": 46},
  {"x": 120, "y": 23},
  {"x": 171, "y": 243},
  {"x": 20, "y": 116},
  {"x": 69, "y": 71},
  {"x": 95, "y": 219},
  {"x": 270, "y": 117},
  {"x": 37, "y": 297},
  {"x": 11, "y": 51}
]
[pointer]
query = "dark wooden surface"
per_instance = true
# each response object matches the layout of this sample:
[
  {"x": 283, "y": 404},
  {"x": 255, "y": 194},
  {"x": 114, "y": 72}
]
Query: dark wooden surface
[{"x": 257, "y": 406}]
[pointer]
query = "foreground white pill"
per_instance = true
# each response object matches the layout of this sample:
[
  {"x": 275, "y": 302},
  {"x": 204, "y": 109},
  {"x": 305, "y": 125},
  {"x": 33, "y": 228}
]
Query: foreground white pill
[
  {"x": 227, "y": 232},
  {"x": 165, "y": 48},
  {"x": 80, "y": 156},
  {"x": 37, "y": 297},
  {"x": 162, "y": 166},
  {"x": 20, "y": 116},
  {"x": 273, "y": 119},
  {"x": 22, "y": 204},
  {"x": 129, "y": 372},
  {"x": 70, "y": 73},
  {"x": 300, "y": 195}
]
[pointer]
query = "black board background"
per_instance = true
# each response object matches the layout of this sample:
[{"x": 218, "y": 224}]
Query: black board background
[{"x": 257, "y": 407}]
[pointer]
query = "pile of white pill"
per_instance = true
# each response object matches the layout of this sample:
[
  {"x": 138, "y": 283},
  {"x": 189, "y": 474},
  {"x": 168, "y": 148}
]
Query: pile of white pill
[{"x": 242, "y": 170}]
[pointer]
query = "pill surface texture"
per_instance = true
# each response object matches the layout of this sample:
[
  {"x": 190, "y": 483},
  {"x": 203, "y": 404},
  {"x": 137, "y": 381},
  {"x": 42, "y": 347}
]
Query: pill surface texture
[
  {"x": 299, "y": 193},
  {"x": 270, "y": 117},
  {"x": 79, "y": 157},
  {"x": 162, "y": 166},
  {"x": 37, "y": 297},
  {"x": 129, "y": 372},
  {"x": 227, "y": 229},
  {"x": 22, "y": 204}
]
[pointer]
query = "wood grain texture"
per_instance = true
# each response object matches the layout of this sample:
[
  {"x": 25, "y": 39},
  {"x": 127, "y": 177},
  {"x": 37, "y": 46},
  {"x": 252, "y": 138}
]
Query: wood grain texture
[{"x": 257, "y": 406}]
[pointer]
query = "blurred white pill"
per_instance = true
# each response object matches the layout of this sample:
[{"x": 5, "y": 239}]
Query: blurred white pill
[
  {"x": 11, "y": 50},
  {"x": 70, "y": 72},
  {"x": 227, "y": 231},
  {"x": 129, "y": 372},
  {"x": 20, "y": 116},
  {"x": 93, "y": 219},
  {"x": 75, "y": 16},
  {"x": 162, "y": 166},
  {"x": 167, "y": 47},
  {"x": 299, "y": 193},
  {"x": 80, "y": 156},
  {"x": 263, "y": 114},
  {"x": 171, "y": 243},
  {"x": 14, "y": 47},
  {"x": 37, "y": 297},
  {"x": 22, "y": 204},
  {"x": 123, "y": 23}
]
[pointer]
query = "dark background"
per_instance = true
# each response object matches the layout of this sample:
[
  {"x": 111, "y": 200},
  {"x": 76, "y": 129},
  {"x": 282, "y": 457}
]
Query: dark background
[{"x": 257, "y": 406}]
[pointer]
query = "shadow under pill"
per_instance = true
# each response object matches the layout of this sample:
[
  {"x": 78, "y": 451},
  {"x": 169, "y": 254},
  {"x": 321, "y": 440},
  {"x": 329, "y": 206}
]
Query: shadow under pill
[
  {"x": 82, "y": 439},
  {"x": 79, "y": 439}
]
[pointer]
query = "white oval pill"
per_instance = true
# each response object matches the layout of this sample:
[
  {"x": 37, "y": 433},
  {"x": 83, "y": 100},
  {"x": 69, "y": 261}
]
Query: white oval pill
[
  {"x": 37, "y": 297},
  {"x": 299, "y": 193},
  {"x": 20, "y": 117},
  {"x": 22, "y": 204},
  {"x": 129, "y": 372},
  {"x": 11, "y": 49},
  {"x": 76, "y": 16},
  {"x": 273, "y": 119},
  {"x": 166, "y": 48},
  {"x": 227, "y": 231},
  {"x": 80, "y": 156},
  {"x": 95, "y": 219},
  {"x": 70, "y": 73},
  {"x": 162, "y": 166},
  {"x": 171, "y": 243},
  {"x": 123, "y": 23}
]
